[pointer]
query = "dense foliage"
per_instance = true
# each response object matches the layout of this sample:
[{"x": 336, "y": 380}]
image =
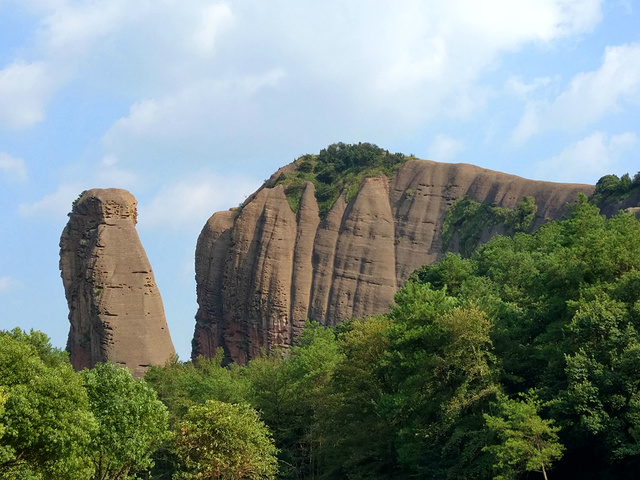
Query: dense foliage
[
  {"x": 611, "y": 188},
  {"x": 523, "y": 358},
  {"x": 99, "y": 424},
  {"x": 564, "y": 304},
  {"x": 46, "y": 420},
  {"x": 521, "y": 361},
  {"x": 131, "y": 422},
  {"x": 469, "y": 220},
  {"x": 224, "y": 441},
  {"x": 336, "y": 169}
]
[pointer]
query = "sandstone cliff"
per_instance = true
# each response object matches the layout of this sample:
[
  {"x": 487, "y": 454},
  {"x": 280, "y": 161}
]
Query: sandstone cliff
[
  {"x": 115, "y": 309},
  {"x": 261, "y": 270}
]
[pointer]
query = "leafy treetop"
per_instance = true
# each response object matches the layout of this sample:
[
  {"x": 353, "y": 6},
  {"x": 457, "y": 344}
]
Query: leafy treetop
[{"x": 611, "y": 188}]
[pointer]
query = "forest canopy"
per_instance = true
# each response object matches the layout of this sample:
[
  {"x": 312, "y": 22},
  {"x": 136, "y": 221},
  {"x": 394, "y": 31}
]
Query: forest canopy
[{"x": 520, "y": 361}]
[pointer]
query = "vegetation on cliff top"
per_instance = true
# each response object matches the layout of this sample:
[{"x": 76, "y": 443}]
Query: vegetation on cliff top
[
  {"x": 337, "y": 168},
  {"x": 612, "y": 188}
]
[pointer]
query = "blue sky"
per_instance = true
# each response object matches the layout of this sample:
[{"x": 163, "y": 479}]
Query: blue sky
[{"x": 191, "y": 105}]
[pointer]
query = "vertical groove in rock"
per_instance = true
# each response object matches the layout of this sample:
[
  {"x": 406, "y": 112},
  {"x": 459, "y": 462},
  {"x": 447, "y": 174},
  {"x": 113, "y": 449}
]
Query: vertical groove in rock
[
  {"x": 324, "y": 252},
  {"x": 269, "y": 309},
  {"x": 115, "y": 308},
  {"x": 254, "y": 310},
  {"x": 364, "y": 279},
  {"x": 239, "y": 269},
  {"x": 268, "y": 269},
  {"x": 211, "y": 250},
  {"x": 302, "y": 277}
]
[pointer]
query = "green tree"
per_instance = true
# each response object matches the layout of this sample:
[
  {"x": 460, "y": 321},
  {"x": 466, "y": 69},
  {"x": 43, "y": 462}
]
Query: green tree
[
  {"x": 294, "y": 397},
  {"x": 527, "y": 441},
  {"x": 337, "y": 169},
  {"x": 275, "y": 395},
  {"x": 313, "y": 361},
  {"x": 4, "y": 453},
  {"x": 132, "y": 423},
  {"x": 361, "y": 429},
  {"x": 226, "y": 442},
  {"x": 563, "y": 304},
  {"x": 521, "y": 218},
  {"x": 180, "y": 385},
  {"x": 441, "y": 359},
  {"x": 47, "y": 421}
]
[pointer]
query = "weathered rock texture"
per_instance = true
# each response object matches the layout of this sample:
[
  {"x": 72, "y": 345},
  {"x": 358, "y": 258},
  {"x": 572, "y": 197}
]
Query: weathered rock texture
[
  {"x": 115, "y": 308},
  {"x": 262, "y": 270}
]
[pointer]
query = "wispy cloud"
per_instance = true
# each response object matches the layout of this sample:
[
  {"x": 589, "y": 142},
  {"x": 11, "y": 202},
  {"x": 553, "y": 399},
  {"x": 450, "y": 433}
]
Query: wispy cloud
[
  {"x": 370, "y": 59},
  {"x": 109, "y": 174},
  {"x": 214, "y": 18},
  {"x": 25, "y": 89},
  {"x": 587, "y": 159},
  {"x": 516, "y": 85},
  {"x": 174, "y": 116},
  {"x": 589, "y": 96},
  {"x": 71, "y": 30},
  {"x": 444, "y": 148},
  {"x": 53, "y": 206},
  {"x": 7, "y": 283},
  {"x": 188, "y": 202},
  {"x": 13, "y": 168}
]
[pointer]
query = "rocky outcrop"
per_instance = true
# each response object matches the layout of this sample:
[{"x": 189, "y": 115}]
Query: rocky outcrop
[
  {"x": 115, "y": 308},
  {"x": 262, "y": 269}
]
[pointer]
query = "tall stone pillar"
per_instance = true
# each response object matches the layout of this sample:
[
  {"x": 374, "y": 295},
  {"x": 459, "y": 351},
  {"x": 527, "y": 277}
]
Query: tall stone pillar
[{"x": 115, "y": 308}]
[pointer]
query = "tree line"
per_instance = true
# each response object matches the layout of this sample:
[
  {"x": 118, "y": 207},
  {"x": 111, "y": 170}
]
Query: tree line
[{"x": 521, "y": 361}]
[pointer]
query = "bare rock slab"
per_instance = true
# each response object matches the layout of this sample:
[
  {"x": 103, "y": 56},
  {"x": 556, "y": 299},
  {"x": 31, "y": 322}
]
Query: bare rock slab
[
  {"x": 262, "y": 270},
  {"x": 115, "y": 308}
]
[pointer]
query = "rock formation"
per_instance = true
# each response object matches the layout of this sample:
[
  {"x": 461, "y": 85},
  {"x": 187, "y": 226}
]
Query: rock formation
[
  {"x": 262, "y": 269},
  {"x": 115, "y": 308}
]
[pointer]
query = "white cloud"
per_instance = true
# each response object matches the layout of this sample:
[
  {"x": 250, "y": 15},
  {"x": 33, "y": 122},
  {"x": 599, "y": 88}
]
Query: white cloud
[
  {"x": 25, "y": 89},
  {"x": 407, "y": 62},
  {"x": 191, "y": 200},
  {"x": 347, "y": 64},
  {"x": 54, "y": 206},
  {"x": 180, "y": 114},
  {"x": 444, "y": 148},
  {"x": 329, "y": 70},
  {"x": 110, "y": 175},
  {"x": 545, "y": 20},
  {"x": 14, "y": 168},
  {"x": 152, "y": 34},
  {"x": 213, "y": 19},
  {"x": 588, "y": 159},
  {"x": 589, "y": 96},
  {"x": 72, "y": 29},
  {"x": 516, "y": 85},
  {"x": 6, "y": 283}
]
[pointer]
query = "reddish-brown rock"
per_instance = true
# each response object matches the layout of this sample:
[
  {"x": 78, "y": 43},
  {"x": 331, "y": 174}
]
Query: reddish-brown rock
[
  {"x": 115, "y": 308},
  {"x": 262, "y": 270}
]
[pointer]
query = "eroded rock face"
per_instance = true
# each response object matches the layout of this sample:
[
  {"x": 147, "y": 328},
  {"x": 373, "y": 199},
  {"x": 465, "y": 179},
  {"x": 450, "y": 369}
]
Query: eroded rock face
[
  {"x": 115, "y": 308},
  {"x": 262, "y": 270}
]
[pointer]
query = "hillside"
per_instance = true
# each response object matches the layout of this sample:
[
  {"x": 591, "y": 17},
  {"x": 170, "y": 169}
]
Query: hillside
[{"x": 333, "y": 236}]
